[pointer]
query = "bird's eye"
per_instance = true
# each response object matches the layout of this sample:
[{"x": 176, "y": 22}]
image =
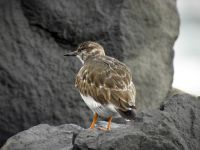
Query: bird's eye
[{"x": 81, "y": 49}]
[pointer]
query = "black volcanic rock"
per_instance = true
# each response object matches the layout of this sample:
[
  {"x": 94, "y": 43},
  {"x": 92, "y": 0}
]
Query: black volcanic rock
[
  {"x": 44, "y": 137},
  {"x": 175, "y": 127},
  {"x": 37, "y": 81}
]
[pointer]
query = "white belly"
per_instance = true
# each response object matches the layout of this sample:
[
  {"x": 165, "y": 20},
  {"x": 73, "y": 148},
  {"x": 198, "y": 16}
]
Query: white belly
[{"x": 102, "y": 110}]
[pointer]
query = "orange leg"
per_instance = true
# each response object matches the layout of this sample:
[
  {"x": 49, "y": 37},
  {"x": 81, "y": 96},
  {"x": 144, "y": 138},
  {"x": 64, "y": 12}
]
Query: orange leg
[
  {"x": 94, "y": 121},
  {"x": 109, "y": 122},
  {"x": 108, "y": 126}
]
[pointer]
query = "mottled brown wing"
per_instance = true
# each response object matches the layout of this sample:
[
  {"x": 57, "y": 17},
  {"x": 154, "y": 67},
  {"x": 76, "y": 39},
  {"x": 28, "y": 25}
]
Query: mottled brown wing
[{"x": 108, "y": 81}]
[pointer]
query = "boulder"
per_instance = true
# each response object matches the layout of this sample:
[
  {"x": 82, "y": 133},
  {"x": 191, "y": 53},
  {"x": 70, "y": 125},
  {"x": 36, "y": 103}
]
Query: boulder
[
  {"x": 37, "y": 81},
  {"x": 174, "y": 126},
  {"x": 44, "y": 137}
]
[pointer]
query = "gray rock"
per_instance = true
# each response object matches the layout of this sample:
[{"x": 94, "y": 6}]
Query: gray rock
[
  {"x": 37, "y": 82},
  {"x": 174, "y": 127},
  {"x": 44, "y": 137}
]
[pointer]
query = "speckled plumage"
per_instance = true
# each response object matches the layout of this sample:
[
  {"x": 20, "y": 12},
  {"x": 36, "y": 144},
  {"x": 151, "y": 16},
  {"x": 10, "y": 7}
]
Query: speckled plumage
[
  {"x": 108, "y": 81},
  {"x": 104, "y": 83}
]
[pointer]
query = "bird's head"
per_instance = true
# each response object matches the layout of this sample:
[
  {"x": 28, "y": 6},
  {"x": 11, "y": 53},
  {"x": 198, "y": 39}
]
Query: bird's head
[{"x": 86, "y": 50}]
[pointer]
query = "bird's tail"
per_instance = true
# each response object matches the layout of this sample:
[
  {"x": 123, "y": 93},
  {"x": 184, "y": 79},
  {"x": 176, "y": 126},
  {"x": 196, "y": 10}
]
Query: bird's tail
[{"x": 128, "y": 115}]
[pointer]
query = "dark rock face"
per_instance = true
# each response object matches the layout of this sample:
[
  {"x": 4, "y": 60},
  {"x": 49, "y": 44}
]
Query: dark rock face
[
  {"x": 175, "y": 127},
  {"x": 37, "y": 82},
  {"x": 44, "y": 137}
]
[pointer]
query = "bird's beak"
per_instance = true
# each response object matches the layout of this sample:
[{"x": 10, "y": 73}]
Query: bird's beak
[{"x": 74, "y": 53}]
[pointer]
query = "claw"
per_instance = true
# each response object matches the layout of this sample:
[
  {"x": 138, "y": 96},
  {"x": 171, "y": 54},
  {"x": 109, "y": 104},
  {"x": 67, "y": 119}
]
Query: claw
[
  {"x": 104, "y": 129},
  {"x": 100, "y": 128}
]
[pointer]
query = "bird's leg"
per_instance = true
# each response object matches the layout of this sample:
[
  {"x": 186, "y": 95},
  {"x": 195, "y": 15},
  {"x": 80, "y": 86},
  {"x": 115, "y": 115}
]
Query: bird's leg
[
  {"x": 108, "y": 126},
  {"x": 109, "y": 122},
  {"x": 94, "y": 121}
]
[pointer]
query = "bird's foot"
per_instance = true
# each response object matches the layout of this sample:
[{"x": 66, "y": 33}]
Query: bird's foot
[
  {"x": 104, "y": 129},
  {"x": 91, "y": 127}
]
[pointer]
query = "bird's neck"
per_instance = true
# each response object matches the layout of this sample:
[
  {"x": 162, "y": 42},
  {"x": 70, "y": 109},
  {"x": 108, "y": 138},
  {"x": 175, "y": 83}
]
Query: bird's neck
[{"x": 89, "y": 56}]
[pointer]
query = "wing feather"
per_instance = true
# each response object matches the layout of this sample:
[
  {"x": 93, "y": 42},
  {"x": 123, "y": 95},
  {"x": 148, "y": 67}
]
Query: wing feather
[{"x": 107, "y": 82}]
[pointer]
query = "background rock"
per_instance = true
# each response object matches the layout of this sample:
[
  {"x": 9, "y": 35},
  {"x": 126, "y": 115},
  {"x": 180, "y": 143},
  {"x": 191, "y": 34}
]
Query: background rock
[
  {"x": 37, "y": 82},
  {"x": 175, "y": 127}
]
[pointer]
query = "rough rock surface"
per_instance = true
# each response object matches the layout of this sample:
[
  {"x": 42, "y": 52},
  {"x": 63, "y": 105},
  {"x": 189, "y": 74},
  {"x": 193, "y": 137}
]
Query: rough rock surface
[
  {"x": 175, "y": 126},
  {"x": 44, "y": 137},
  {"x": 36, "y": 81}
]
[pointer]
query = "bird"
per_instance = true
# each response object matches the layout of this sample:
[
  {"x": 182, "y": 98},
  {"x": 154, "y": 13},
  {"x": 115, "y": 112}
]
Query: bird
[{"x": 105, "y": 84}]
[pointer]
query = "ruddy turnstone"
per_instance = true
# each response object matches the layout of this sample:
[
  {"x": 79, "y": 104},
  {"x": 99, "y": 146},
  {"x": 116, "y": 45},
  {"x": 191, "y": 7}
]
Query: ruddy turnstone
[{"x": 104, "y": 83}]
